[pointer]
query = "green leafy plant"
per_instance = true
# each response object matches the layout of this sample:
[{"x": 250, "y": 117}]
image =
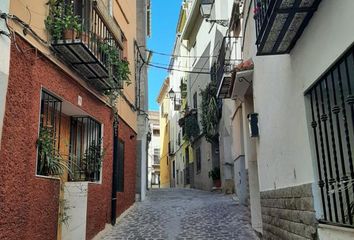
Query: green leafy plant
[
  {"x": 214, "y": 174},
  {"x": 51, "y": 162},
  {"x": 92, "y": 160},
  {"x": 64, "y": 217},
  {"x": 183, "y": 88},
  {"x": 210, "y": 114},
  {"x": 61, "y": 18},
  {"x": 191, "y": 126},
  {"x": 118, "y": 74},
  {"x": 118, "y": 67}
]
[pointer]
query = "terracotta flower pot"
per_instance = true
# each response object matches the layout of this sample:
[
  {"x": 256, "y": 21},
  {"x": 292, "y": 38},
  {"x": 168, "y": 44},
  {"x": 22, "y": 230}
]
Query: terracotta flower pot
[
  {"x": 85, "y": 37},
  {"x": 70, "y": 34},
  {"x": 217, "y": 183}
]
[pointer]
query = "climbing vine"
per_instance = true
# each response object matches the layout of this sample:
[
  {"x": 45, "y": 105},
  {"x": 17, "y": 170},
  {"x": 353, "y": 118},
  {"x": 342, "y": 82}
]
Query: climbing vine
[
  {"x": 210, "y": 111},
  {"x": 118, "y": 74},
  {"x": 191, "y": 126}
]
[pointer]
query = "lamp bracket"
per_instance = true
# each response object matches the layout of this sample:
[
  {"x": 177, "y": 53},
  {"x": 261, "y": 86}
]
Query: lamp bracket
[{"x": 222, "y": 22}]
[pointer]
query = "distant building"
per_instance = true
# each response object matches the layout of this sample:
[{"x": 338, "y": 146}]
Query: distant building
[
  {"x": 193, "y": 154},
  {"x": 165, "y": 164},
  {"x": 154, "y": 150}
]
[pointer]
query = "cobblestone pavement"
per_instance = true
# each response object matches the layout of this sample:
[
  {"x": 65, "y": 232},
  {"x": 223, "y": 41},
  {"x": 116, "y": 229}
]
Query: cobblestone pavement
[{"x": 184, "y": 214}]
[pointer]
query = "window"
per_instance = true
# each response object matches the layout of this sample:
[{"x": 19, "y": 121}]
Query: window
[
  {"x": 156, "y": 156},
  {"x": 162, "y": 111},
  {"x": 187, "y": 166},
  {"x": 195, "y": 104},
  {"x": 50, "y": 120},
  {"x": 156, "y": 132},
  {"x": 198, "y": 158},
  {"x": 195, "y": 100},
  {"x": 174, "y": 169},
  {"x": 121, "y": 156},
  {"x": 85, "y": 149},
  {"x": 177, "y": 176},
  {"x": 331, "y": 115},
  {"x": 148, "y": 18}
]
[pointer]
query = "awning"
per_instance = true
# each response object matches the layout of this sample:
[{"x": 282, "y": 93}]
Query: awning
[{"x": 243, "y": 79}]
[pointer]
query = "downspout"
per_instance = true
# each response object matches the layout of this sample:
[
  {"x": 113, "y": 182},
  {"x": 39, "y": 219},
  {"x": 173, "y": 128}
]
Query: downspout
[{"x": 115, "y": 173}]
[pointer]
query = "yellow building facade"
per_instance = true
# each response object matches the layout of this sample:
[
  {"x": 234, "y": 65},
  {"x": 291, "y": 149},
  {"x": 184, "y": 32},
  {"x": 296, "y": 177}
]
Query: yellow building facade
[{"x": 164, "y": 103}]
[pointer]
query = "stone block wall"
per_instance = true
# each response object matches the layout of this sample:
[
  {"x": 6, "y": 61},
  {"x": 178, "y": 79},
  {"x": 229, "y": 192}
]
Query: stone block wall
[{"x": 288, "y": 213}]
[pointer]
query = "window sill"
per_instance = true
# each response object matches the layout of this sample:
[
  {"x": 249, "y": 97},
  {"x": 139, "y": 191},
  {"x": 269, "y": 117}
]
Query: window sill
[
  {"x": 328, "y": 232},
  {"x": 47, "y": 177},
  {"x": 98, "y": 182}
]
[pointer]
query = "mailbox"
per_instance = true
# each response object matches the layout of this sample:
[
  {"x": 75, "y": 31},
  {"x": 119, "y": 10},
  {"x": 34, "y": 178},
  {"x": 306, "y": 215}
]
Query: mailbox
[{"x": 253, "y": 124}]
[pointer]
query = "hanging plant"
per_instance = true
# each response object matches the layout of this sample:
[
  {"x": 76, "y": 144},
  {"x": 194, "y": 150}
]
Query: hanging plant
[
  {"x": 210, "y": 111},
  {"x": 118, "y": 74},
  {"x": 183, "y": 88}
]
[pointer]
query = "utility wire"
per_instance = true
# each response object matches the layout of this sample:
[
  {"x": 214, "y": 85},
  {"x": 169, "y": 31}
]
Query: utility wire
[
  {"x": 178, "y": 56},
  {"x": 177, "y": 70},
  {"x": 182, "y": 68}
]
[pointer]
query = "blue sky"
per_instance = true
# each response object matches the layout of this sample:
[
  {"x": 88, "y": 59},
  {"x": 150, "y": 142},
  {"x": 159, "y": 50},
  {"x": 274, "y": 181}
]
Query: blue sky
[{"x": 164, "y": 20}]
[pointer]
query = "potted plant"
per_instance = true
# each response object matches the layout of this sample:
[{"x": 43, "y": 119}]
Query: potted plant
[
  {"x": 71, "y": 24},
  {"x": 61, "y": 22},
  {"x": 119, "y": 67},
  {"x": 52, "y": 163},
  {"x": 92, "y": 161},
  {"x": 215, "y": 175}
]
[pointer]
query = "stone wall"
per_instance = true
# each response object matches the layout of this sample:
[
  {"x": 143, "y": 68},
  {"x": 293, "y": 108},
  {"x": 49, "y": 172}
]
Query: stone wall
[{"x": 288, "y": 213}]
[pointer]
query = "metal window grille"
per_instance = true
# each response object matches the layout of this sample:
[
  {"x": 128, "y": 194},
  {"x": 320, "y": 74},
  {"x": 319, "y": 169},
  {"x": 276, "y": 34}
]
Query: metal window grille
[
  {"x": 187, "y": 166},
  {"x": 198, "y": 160},
  {"x": 50, "y": 119},
  {"x": 156, "y": 156},
  {"x": 85, "y": 149},
  {"x": 332, "y": 120}
]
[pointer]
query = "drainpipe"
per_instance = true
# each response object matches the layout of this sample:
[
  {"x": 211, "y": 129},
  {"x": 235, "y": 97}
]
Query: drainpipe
[{"x": 115, "y": 173}]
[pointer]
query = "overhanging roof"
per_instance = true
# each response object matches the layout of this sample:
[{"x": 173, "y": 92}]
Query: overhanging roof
[{"x": 191, "y": 20}]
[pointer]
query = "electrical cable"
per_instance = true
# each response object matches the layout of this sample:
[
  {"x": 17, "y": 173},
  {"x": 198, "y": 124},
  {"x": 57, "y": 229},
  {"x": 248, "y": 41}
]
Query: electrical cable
[
  {"x": 177, "y": 70},
  {"x": 181, "y": 68},
  {"x": 178, "y": 56}
]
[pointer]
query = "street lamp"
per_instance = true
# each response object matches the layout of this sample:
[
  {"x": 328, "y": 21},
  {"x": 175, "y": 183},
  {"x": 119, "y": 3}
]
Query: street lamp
[
  {"x": 172, "y": 94},
  {"x": 176, "y": 102},
  {"x": 205, "y": 10}
]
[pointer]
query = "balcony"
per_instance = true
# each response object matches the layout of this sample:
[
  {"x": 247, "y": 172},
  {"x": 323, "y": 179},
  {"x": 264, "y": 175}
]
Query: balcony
[
  {"x": 83, "y": 50},
  {"x": 280, "y": 23},
  {"x": 222, "y": 71}
]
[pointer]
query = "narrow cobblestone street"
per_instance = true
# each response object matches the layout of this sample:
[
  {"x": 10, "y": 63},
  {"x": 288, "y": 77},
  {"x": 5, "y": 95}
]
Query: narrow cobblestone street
[{"x": 185, "y": 214}]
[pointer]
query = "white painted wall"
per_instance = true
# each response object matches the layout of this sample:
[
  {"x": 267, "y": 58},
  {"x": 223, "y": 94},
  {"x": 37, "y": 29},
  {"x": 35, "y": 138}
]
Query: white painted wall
[
  {"x": 75, "y": 195},
  {"x": 4, "y": 63},
  {"x": 284, "y": 154},
  {"x": 154, "y": 144}
]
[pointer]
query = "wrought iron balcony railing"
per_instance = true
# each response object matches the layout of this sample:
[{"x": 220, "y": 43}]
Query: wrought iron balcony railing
[
  {"x": 221, "y": 72},
  {"x": 280, "y": 23},
  {"x": 86, "y": 50}
]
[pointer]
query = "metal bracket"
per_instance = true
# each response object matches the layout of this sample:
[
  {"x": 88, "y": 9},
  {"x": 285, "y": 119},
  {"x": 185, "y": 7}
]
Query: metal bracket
[{"x": 224, "y": 23}]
